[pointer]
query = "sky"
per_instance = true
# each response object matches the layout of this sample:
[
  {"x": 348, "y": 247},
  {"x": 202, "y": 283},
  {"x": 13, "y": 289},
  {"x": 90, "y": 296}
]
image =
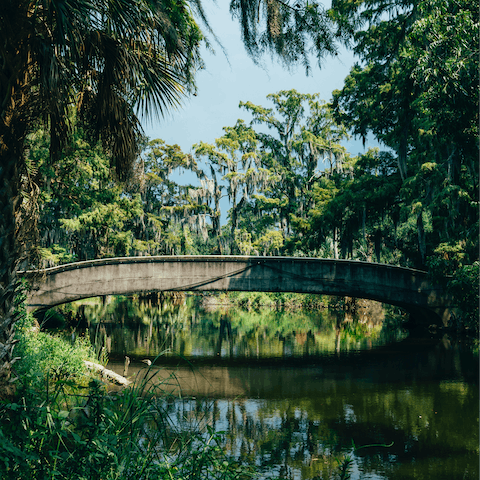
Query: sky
[{"x": 233, "y": 77}]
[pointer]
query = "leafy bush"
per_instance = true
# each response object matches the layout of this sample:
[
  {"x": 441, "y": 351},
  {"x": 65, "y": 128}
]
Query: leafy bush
[
  {"x": 55, "y": 255},
  {"x": 44, "y": 355},
  {"x": 285, "y": 300},
  {"x": 62, "y": 427}
]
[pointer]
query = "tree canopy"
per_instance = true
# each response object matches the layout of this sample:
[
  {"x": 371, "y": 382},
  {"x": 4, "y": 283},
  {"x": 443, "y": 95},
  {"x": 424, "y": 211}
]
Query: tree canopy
[
  {"x": 109, "y": 60},
  {"x": 76, "y": 78}
]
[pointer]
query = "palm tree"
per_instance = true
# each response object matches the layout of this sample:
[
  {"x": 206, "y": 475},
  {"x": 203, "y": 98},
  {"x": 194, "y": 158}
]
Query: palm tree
[{"x": 109, "y": 60}]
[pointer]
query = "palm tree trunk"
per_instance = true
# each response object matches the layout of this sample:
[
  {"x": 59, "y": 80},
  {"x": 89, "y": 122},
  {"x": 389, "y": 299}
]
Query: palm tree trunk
[{"x": 9, "y": 258}]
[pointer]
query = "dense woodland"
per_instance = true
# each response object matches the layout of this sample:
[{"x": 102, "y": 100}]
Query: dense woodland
[
  {"x": 292, "y": 191},
  {"x": 292, "y": 188},
  {"x": 79, "y": 180},
  {"x": 74, "y": 77}
]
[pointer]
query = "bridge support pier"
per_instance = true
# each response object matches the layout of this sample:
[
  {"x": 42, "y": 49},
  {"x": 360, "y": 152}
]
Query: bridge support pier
[{"x": 434, "y": 317}]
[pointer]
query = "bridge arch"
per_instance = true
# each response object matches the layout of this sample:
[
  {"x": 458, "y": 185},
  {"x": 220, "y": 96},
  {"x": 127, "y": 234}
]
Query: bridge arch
[{"x": 404, "y": 287}]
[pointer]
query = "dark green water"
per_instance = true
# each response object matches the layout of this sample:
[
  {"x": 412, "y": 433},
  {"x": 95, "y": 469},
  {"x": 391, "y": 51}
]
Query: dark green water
[{"x": 294, "y": 392}]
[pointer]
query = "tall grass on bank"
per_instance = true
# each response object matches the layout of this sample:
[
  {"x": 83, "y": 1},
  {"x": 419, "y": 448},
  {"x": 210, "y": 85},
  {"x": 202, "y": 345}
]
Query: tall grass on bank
[
  {"x": 64, "y": 424},
  {"x": 95, "y": 435}
]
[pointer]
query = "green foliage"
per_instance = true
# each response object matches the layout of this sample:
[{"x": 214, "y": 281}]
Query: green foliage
[
  {"x": 277, "y": 300},
  {"x": 290, "y": 32},
  {"x": 417, "y": 92},
  {"x": 269, "y": 180},
  {"x": 304, "y": 138},
  {"x": 55, "y": 255},
  {"x": 464, "y": 287},
  {"x": 447, "y": 70},
  {"x": 232, "y": 166},
  {"x": 270, "y": 243},
  {"x": 45, "y": 356},
  {"x": 58, "y": 427},
  {"x": 83, "y": 214},
  {"x": 255, "y": 300},
  {"x": 105, "y": 225},
  {"x": 448, "y": 258},
  {"x": 99, "y": 435},
  {"x": 174, "y": 217}
]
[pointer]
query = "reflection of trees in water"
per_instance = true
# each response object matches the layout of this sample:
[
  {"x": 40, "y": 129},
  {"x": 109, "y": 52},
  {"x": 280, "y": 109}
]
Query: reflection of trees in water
[
  {"x": 304, "y": 419},
  {"x": 434, "y": 428},
  {"x": 147, "y": 327},
  {"x": 309, "y": 415},
  {"x": 178, "y": 325}
]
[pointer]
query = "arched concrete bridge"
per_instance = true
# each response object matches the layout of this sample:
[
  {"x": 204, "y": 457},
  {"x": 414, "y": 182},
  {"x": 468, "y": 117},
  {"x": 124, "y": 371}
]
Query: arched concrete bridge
[{"x": 399, "y": 286}]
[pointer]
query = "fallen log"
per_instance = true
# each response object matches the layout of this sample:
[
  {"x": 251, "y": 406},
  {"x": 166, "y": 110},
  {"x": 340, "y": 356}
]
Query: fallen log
[{"x": 105, "y": 372}]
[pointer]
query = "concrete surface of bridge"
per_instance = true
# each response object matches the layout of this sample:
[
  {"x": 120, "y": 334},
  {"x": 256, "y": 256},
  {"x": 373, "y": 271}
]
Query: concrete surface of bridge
[{"x": 394, "y": 285}]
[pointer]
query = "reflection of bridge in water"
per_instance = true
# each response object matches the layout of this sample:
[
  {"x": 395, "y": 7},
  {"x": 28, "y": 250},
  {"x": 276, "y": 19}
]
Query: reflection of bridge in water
[{"x": 404, "y": 287}]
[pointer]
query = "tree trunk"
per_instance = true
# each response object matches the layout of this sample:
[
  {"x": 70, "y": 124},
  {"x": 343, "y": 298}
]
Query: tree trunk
[
  {"x": 402, "y": 154},
  {"x": 378, "y": 244},
  {"x": 9, "y": 258},
  {"x": 421, "y": 238},
  {"x": 15, "y": 120},
  {"x": 335, "y": 243}
]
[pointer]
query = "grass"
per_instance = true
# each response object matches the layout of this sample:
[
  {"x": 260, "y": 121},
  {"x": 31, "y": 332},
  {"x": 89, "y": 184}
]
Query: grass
[
  {"x": 64, "y": 424},
  {"x": 92, "y": 434}
]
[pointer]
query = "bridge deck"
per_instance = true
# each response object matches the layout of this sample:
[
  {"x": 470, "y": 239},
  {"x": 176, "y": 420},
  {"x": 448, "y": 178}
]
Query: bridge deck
[{"x": 401, "y": 286}]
